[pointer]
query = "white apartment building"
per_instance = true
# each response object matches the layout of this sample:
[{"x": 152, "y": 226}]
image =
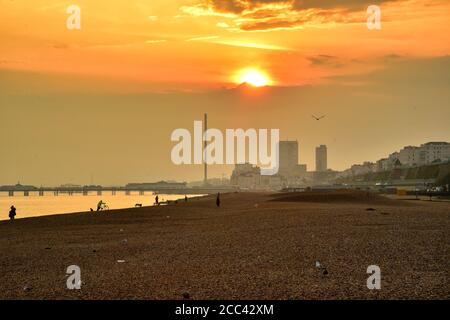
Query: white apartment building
[
  {"x": 384, "y": 164},
  {"x": 425, "y": 154},
  {"x": 409, "y": 156},
  {"x": 436, "y": 151}
]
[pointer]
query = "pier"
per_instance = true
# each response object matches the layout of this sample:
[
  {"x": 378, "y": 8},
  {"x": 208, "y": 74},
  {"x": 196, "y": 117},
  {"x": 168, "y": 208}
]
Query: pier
[{"x": 57, "y": 191}]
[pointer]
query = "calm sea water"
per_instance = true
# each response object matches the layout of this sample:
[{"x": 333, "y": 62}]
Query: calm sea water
[{"x": 35, "y": 205}]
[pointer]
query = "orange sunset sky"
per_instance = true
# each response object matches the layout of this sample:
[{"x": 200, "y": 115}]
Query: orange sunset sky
[
  {"x": 78, "y": 103},
  {"x": 203, "y": 43}
]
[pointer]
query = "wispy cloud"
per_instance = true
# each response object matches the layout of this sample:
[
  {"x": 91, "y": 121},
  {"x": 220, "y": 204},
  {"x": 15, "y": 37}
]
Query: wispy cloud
[
  {"x": 202, "y": 38},
  {"x": 326, "y": 60},
  {"x": 237, "y": 43},
  {"x": 253, "y": 45},
  {"x": 222, "y": 25},
  {"x": 155, "y": 41},
  {"x": 269, "y": 15},
  {"x": 205, "y": 10}
]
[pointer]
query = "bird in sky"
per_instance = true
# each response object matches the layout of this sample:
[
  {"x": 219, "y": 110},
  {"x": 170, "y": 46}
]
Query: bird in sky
[{"x": 318, "y": 118}]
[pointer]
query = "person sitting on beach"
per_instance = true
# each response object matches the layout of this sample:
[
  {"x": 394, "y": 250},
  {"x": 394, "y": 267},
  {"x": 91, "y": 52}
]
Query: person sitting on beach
[{"x": 12, "y": 213}]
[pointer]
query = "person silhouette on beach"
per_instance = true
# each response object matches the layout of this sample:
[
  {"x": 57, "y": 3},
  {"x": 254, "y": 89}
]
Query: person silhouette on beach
[
  {"x": 100, "y": 205},
  {"x": 218, "y": 200},
  {"x": 12, "y": 213},
  {"x": 157, "y": 200},
  {"x": 185, "y": 198}
]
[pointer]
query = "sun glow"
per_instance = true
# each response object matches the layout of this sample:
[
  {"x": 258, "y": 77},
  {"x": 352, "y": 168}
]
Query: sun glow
[{"x": 253, "y": 77}]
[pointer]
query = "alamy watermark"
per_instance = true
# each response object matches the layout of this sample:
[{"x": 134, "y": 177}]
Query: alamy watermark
[
  {"x": 73, "y": 22},
  {"x": 374, "y": 17},
  {"x": 74, "y": 280},
  {"x": 374, "y": 281},
  {"x": 209, "y": 146}
]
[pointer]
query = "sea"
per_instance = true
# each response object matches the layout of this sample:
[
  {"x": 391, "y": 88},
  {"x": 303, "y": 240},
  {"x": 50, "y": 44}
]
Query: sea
[{"x": 50, "y": 204}]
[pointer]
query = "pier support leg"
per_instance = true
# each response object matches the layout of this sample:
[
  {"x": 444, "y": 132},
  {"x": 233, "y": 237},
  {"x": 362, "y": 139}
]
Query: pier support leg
[{"x": 11, "y": 193}]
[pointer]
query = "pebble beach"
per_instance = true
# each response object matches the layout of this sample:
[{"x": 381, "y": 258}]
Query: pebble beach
[{"x": 254, "y": 246}]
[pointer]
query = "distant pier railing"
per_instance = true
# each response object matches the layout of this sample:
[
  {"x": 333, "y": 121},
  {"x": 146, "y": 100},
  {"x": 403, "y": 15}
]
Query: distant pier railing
[{"x": 115, "y": 190}]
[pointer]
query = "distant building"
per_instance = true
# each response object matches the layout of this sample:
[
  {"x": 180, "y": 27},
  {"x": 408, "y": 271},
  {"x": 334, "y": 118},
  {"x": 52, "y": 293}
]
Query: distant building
[
  {"x": 409, "y": 156},
  {"x": 383, "y": 164},
  {"x": 18, "y": 187},
  {"x": 359, "y": 169},
  {"x": 427, "y": 153},
  {"x": 290, "y": 173},
  {"x": 435, "y": 151},
  {"x": 274, "y": 182},
  {"x": 321, "y": 158},
  {"x": 290, "y": 170},
  {"x": 246, "y": 176},
  {"x": 288, "y": 157}
]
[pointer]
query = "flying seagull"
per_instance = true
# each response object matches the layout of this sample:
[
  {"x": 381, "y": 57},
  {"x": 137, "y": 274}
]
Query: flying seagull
[{"x": 318, "y": 118}]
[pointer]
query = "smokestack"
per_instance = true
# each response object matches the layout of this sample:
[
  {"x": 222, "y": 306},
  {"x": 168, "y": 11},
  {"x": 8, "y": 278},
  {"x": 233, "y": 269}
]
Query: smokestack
[{"x": 204, "y": 151}]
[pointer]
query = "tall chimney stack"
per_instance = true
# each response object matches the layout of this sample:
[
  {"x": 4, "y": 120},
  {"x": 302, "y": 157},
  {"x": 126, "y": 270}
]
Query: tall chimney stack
[{"x": 204, "y": 151}]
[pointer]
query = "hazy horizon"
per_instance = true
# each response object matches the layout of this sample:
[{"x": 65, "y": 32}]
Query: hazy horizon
[{"x": 98, "y": 105}]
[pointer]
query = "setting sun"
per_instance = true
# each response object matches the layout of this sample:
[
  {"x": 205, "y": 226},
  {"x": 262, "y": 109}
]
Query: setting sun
[{"x": 253, "y": 77}]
